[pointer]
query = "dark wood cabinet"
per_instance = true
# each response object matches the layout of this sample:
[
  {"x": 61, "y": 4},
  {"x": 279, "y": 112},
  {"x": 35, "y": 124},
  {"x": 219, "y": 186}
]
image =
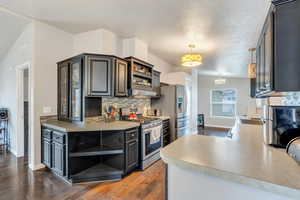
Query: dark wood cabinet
[
  {"x": 140, "y": 78},
  {"x": 88, "y": 76},
  {"x": 63, "y": 90},
  {"x": 121, "y": 78},
  {"x": 76, "y": 84},
  {"x": 166, "y": 132},
  {"x": 277, "y": 50},
  {"x": 46, "y": 153},
  {"x": 132, "y": 150},
  {"x": 99, "y": 75},
  {"x": 54, "y": 151},
  {"x": 156, "y": 82},
  {"x": 70, "y": 90},
  {"x": 58, "y": 158},
  {"x": 90, "y": 155},
  {"x": 132, "y": 155}
]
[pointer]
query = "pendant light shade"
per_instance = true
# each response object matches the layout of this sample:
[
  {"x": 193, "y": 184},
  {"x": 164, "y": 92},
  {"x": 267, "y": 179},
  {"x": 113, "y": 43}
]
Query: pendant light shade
[
  {"x": 191, "y": 59},
  {"x": 252, "y": 65}
]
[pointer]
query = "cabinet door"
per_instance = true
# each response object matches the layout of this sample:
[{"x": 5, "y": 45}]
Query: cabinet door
[
  {"x": 262, "y": 64},
  {"x": 268, "y": 52},
  {"x": 121, "y": 78},
  {"x": 63, "y": 91},
  {"x": 76, "y": 90},
  {"x": 156, "y": 82},
  {"x": 258, "y": 66},
  {"x": 99, "y": 76},
  {"x": 131, "y": 155},
  {"x": 58, "y": 158},
  {"x": 46, "y": 156},
  {"x": 287, "y": 47}
]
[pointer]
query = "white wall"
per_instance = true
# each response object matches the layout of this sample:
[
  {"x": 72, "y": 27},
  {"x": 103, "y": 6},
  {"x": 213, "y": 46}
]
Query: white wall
[
  {"x": 19, "y": 53},
  {"x": 206, "y": 84},
  {"x": 44, "y": 46},
  {"x": 160, "y": 65},
  {"x": 100, "y": 41},
  {"x": 50, "y": 46},
  {"x": 135, "y": 47}
]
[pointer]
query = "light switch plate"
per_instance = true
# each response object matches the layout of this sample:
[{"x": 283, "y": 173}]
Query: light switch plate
[{"x": 47, "y": 110}]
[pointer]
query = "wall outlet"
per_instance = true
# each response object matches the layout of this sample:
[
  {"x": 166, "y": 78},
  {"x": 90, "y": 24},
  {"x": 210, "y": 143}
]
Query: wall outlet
[{"x": 47, "y": 110}]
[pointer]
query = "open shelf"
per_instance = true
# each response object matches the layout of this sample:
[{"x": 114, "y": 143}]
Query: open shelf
[
  {"x": 97, "y": 172},
  {"x": 142, "y": 75},
  {"x": 98, "y": 150}
]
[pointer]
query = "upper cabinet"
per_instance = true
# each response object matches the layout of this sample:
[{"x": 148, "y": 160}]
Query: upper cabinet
[
  {"x": 140, "y": 78},
  {"x": 86, "y": 76},
  {"x": 99, "y": 75},
  {"x": 156, "y": 82},
  {"x": 121, "y": 74},
  {"x": 277, "y": 50}
]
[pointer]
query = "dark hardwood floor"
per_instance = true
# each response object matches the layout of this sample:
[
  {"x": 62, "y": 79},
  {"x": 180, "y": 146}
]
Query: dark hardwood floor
[{"x": 17, "y": 182}]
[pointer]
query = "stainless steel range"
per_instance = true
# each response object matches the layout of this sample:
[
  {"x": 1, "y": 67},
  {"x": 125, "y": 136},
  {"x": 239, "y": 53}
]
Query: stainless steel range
[{"x": 151, "y": 142}]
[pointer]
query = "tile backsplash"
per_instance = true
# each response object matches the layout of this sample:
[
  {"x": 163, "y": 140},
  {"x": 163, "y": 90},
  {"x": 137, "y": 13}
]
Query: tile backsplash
[
  {"x": 291, "y": 99},
  {"x": 126, "y": 102}
]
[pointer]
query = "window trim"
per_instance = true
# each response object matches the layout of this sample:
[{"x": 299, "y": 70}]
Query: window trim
[{"x": 231, "y": 103}]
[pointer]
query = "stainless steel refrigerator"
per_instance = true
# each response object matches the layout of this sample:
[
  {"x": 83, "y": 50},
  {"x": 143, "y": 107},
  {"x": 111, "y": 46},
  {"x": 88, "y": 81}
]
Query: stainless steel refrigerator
[{"x": 175, "y": 102}]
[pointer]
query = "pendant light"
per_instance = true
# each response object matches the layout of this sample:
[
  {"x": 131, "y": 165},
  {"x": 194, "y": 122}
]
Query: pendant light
[
  {"x": 252, "y": 65},
  {"x": 191, "y": 59},
  {"x": 220, "y": 81}
]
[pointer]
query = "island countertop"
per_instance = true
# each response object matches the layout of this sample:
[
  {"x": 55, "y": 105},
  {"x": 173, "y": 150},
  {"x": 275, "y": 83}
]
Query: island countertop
[
  {"x": 245, "y": 159},
  {"x": 89, "y": 126}
]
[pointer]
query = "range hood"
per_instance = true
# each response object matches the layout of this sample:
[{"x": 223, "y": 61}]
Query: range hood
[{"x": 143, "y": 93}]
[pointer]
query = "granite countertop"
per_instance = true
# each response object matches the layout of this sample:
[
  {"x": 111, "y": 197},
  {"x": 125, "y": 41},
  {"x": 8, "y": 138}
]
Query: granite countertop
[
  {"x": 89, "y": 126},
  {"x": 245, "y": 160}
]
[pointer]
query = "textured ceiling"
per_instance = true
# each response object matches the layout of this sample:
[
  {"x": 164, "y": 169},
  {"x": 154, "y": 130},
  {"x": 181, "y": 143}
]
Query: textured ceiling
[
  {"x": 223, "y": 30},
  {"x": 11, "y": 27}
]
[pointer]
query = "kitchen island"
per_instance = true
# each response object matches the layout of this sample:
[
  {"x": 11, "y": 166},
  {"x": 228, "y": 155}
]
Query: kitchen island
[
  {"x": 222, "y": 168},
  {"x": 90, "y": 151}
]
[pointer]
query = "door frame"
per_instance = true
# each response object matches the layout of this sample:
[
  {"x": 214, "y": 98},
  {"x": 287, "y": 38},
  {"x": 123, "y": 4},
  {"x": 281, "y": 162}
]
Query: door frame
[{"x": 19, "y": 136}]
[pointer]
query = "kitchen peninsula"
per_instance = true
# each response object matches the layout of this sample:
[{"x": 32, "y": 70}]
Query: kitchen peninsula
[
  {"x": 222, "y": 168},
  {"x": 94, "y": 151},
  {"x": 100, "y": 134}
]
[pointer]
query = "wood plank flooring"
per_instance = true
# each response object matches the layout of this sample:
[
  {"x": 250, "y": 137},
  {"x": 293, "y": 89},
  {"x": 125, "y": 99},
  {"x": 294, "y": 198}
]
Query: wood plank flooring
[{"x": 17, "y": 182}]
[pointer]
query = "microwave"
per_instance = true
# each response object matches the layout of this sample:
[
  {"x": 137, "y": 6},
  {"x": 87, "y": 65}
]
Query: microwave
[{"x": 281, "y": 124}]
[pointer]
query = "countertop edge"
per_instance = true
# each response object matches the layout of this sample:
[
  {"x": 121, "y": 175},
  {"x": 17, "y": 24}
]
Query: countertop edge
[
  {"x": 66, "y": 130},
  {"x": 229, "y": 176}
]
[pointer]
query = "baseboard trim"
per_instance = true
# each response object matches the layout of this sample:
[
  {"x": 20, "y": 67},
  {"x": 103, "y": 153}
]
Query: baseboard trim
[
  {"x": 36, "y": 167},
  {"x": 13, "y": 152}
]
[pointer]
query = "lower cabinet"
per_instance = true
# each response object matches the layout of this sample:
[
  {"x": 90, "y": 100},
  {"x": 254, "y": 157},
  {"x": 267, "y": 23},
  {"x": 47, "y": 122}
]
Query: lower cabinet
[
  {"x": 132, "y": 150},
  {"x": 54, "y": 151},
  {"x": 46, "y": 153},
  {"x": 90, "y": 156},
  {"x": 58, "y": 158}
]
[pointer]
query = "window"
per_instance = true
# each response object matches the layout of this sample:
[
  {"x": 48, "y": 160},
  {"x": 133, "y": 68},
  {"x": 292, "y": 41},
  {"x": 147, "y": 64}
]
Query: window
[{"x": 223, "y": 102}]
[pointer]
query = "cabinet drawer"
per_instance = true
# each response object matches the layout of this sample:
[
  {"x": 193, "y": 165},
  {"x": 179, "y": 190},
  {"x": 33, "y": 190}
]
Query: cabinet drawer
[
  {"x": 46, "y": 133},
  {"x": 58, "y": 137},
  {"x": 131, "y": 135}
]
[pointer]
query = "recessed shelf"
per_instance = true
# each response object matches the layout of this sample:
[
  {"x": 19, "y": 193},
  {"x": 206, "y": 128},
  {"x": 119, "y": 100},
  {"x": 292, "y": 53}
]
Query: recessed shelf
[
  {"x": 97, "y": 172},
  {"x": 142, "y": 75},
  {"x": 98, "y": 150}
]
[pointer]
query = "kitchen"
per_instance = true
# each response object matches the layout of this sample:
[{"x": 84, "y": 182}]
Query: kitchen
[{"x": 110, "y": 119}]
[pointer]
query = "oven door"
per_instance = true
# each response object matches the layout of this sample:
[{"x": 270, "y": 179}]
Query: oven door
[{"x": 148, "y": 148}]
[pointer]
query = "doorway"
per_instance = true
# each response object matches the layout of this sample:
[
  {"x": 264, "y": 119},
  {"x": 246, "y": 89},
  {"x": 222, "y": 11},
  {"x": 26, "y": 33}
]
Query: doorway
[{"x": 24, "y": 111}]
